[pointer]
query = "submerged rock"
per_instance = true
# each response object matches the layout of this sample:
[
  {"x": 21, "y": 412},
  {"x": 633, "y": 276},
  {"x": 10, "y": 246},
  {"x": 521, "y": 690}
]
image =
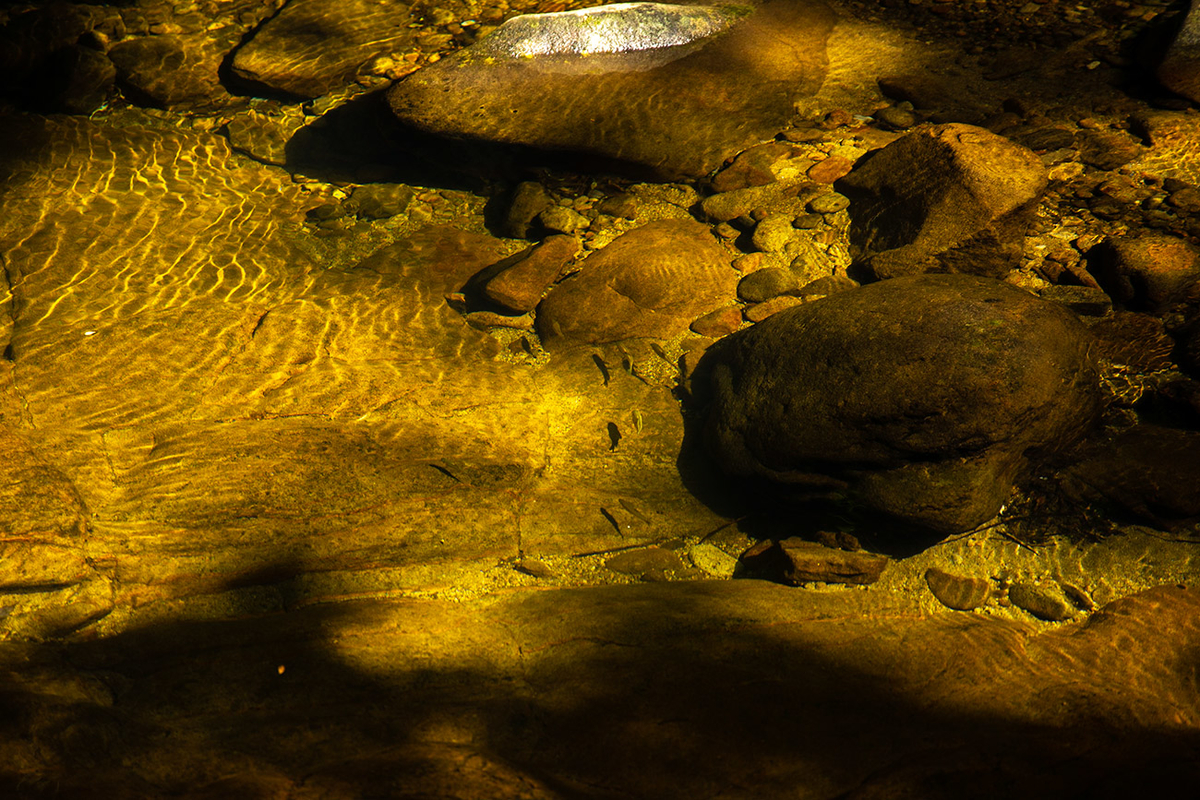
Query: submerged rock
[
  {"x": 649, "y": 283},
  {"x": 647, "y": 83},
  {"x": 958, "y": 592},
  {"x": 918, "y": 397},
  {"x": 949, "y": 198},
  {"x": 311, "y": 48}
]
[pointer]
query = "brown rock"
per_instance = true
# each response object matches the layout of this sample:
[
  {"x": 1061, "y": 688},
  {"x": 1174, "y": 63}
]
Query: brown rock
[
  {"x": 1087, "y": 301},
  {"x": 313, "y": 47},
  {"x": 1149, "y": 471},
  {"x": 721, "y": 322},
  {"x": 624, "y": 206},
  {"x": 831, "y": 169},
  {"x": 1107, "y": 151},
  {"x": 751, "y": 167},
  {"x": 916, "y": 395},
  {"x": 956, "y": 591},
  {"x": 648, "y": 283},
  {"x": 1147, "y": 272},
  {"x": 163, "y": 70},
  {"x": 489, "y": 319},
  {"x": 529, "y": 200},
  {"x": 809, "y": 561},
  {"x": 768, "y": 308},
  {"x": 534, "y": 568},
  {"x": 766, "y": 283},
  {"x": 645, "y": 560},
  {"x": 449, "y": 256},
  {"x": 949, "y": 198},
  {"x": 1044, "y": 601},
  {"x": 1186, "y": 199},
  {"x": 748, "y": 263},
  {"x": 675, "y": 109},
  {"x": 823, "y": 287},
  {"x": 1179, "y": 69},
  {"x": 520, "y": 286},
  {"x": 736, "y": 203}
]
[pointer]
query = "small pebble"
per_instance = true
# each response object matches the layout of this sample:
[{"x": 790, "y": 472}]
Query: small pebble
[{"x": 828, "y": 203}]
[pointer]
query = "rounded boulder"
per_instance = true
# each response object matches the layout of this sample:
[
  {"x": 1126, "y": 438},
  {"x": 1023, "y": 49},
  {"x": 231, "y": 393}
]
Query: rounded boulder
[{"x": 919, "y": 397}]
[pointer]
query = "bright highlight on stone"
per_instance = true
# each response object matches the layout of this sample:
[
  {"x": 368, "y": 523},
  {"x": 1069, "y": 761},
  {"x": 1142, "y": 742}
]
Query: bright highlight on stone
[
  {"x": 672, "y": 91},
  {"x": 617, "y": 28}
]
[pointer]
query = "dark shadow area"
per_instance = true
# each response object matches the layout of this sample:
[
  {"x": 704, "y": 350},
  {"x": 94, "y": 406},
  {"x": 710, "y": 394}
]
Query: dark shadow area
[
  {"x": 623, "y": 691},
  {"x": 362, "y": 141}
]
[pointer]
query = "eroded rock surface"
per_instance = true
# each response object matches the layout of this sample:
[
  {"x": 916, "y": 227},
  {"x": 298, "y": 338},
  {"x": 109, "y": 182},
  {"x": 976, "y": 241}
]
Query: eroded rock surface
[
  {"x": 948, "y": 198},
  {"x": 313, "y": 46},
  {"x": 679, "y": 108},
  {"x": 650, "y": 283},
  {"x": 919, "y": 396}
]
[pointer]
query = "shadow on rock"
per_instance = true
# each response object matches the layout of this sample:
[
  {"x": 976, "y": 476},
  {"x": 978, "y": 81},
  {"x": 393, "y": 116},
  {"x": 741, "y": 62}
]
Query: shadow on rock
[
  {"x": 363, "y": 142},
  {"x": 654, "y": 690}
]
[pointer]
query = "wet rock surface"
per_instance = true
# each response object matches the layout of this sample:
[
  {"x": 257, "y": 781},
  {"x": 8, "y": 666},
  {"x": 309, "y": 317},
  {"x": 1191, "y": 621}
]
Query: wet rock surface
[
  {"x": 673, "y": 108},
  {"x": 950, "y": 198},
  {"x": 1146, "y": 272},
  {"x": 293, "y": 505},
  {"x": 921, "y": 395},
  {"x": 959, "y": 592},
  {"x": 650, "y": 283},
  {"x": 1149, "y": 471},
  {"x": 616, "y": 665},
  {"x": 312, "y": 47}
]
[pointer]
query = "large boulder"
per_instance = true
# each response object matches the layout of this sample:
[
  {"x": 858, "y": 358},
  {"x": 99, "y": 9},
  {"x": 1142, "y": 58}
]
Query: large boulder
[
  {"x": 673, "y": 88},
  {"x": 1179, "y": 69},
  {"x": 651, "y": 282},
  {"x": 920, "y": 396},
  {"x": 947, "y": 198}
]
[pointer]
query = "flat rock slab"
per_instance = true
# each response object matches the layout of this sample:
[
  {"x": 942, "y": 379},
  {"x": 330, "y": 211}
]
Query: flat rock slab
[
  {"x": 314, "y": 46},
  {"x": 655, "y": 690},
  {"x": 677, "y": 94}
]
